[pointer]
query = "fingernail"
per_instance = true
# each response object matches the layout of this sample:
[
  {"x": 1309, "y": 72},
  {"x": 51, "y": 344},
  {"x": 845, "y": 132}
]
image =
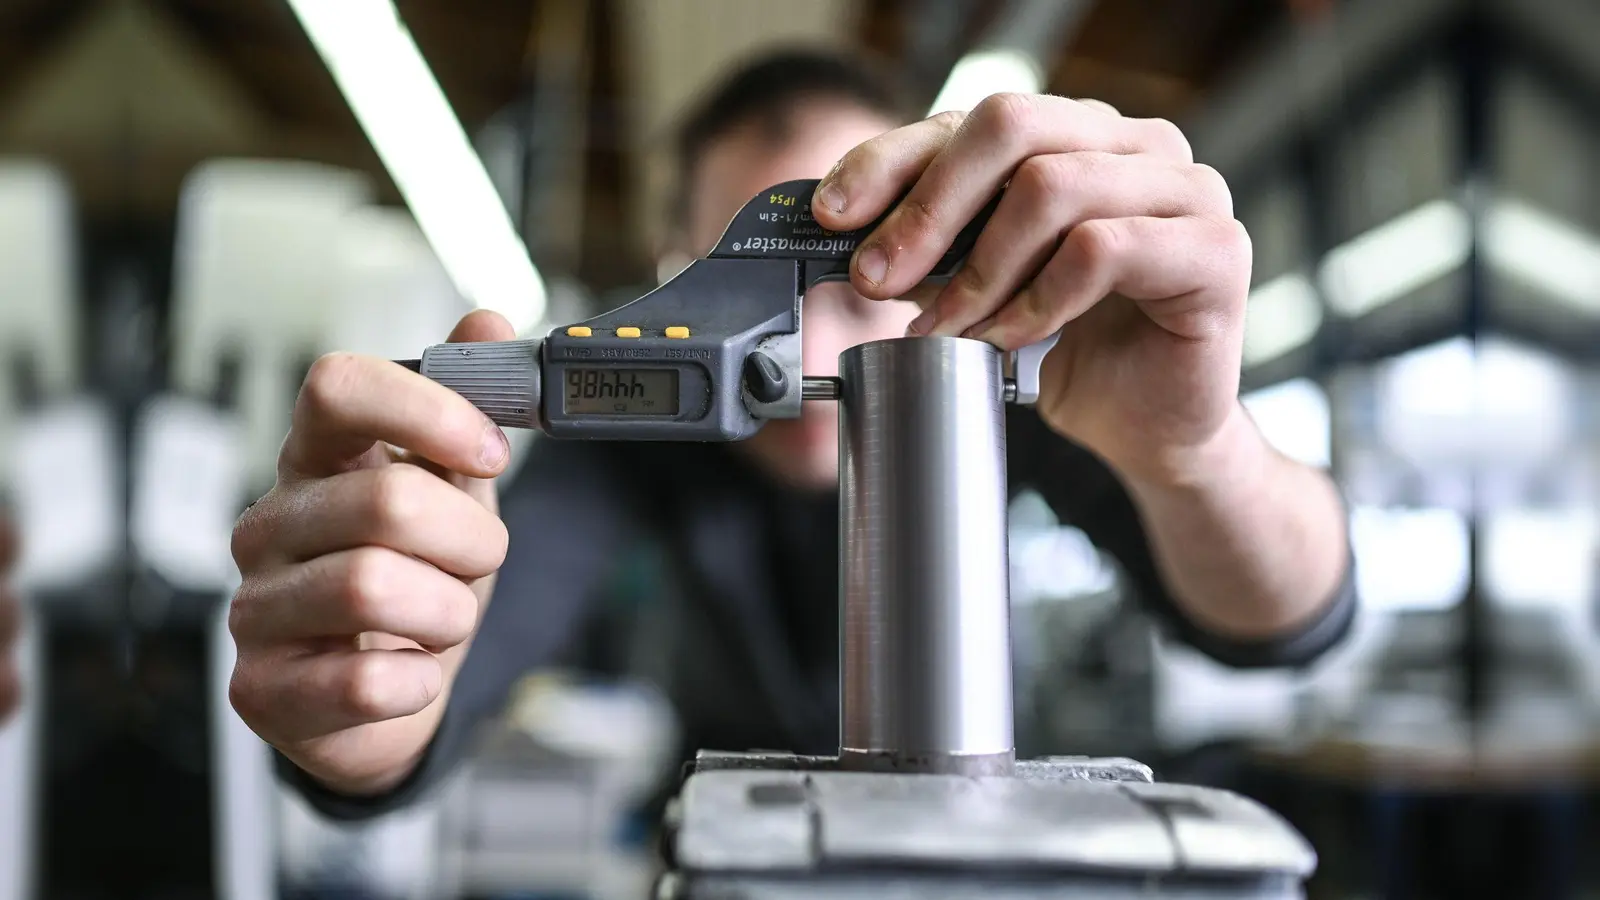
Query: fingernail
[
  {"x": 495, "y": 447},
  {"x": 832, "y": 197},
  {"x": 873, "y": 264},
  {"x": 921, "y": 324}
]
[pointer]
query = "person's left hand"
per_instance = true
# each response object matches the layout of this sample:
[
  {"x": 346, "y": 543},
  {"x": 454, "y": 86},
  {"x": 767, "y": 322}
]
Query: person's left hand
[{"x": 1108, "y": 231}]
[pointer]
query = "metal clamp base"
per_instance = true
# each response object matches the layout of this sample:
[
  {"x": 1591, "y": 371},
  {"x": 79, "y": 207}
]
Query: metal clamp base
[{"x": 776, "y": 826}]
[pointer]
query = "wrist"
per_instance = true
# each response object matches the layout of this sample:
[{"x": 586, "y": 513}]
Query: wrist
[{"x": 1232, "y": 457}]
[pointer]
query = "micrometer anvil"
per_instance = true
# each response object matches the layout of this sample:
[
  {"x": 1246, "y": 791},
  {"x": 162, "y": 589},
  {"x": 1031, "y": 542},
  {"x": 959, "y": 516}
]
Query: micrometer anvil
[{"x": 707, "y": 356}]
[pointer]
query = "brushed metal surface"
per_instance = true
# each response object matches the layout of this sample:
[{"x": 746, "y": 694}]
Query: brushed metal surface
[{"x": 925, "y": 614}]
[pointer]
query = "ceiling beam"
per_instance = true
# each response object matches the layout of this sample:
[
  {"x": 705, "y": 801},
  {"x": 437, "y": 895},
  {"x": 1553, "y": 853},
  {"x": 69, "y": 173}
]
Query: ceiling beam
[{"x": 31, "y": 32}]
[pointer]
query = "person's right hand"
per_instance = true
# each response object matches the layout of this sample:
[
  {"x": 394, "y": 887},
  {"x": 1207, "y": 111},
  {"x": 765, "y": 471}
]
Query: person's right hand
[
  {"x": 10, "y": 622},
  {"x": 367, "y": 567}
]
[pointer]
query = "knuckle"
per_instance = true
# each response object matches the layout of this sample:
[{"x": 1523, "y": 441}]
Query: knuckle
[
  {"x": 1236, "y": 252},
  {"x": 243, "y": 696},
  {"x": 970, "y": 282},
  {"x": 499, "y": 542},
  {"x": 1167, "y": 137},
  {"x": 396, "y": 505},
  {"x": 1010, "y": 116},
  {"x": 1093, "y": 243},
  {"x": 866, "y": 158},
  {"x": 1212, "y": 188},
  {"x": 1036, "y": 304},
  {"x": 368, "y": 577},
  {"x": 461, "y": 615},
  {"x": 329, "y": 381},
  {"x": 1060, "y": 176},
  {"x": 916, "y": 222},
  {"x": 1235, "y": 240},
  {"x": 1041, "y": 176},
  {"x": 250, "y": 538},
  {"x": 241, "y": 611},
  {"x": 950, "y": 120}
]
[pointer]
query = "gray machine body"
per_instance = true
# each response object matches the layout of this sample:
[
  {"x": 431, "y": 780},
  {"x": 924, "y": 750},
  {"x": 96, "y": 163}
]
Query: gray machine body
[
  {"x": 777, "y": 827},
  {"x": 924, "y": 598}
]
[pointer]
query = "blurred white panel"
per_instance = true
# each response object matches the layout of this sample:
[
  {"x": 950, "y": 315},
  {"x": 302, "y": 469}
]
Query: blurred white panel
[
  {"x": 1409, "y": 558},
  {"x": 1295, "y": 417},
  {"x": 1542, "y": 557},
  {"x": 255, "y": 275},
  {"x": 245, "y": 790},
  {"x": 65, "y": 477},
  {"x": 1426, "y": 411},
  {"x": 187, "y": 486},
  {"x": 19, "y": 776},
  {"x": 394, "y": 296},
  {"x": 395, "y": 856},
  {"x": 38, "y": 290},
  {"x": 1198, "y": 700},
  {"x": 1526, "y": 405},
  {"x": 676, "y": 48}
]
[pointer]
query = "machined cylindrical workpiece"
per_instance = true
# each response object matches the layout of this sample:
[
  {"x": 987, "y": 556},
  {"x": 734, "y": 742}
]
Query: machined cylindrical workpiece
[{"x": 925, "y": 638}]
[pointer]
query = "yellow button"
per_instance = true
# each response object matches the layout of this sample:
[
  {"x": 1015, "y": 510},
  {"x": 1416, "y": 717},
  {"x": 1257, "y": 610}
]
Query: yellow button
[
  {"x": 677, "y": 331},
  {"x": 627, "y": 331},
  {"x": 579, "y": 331}
]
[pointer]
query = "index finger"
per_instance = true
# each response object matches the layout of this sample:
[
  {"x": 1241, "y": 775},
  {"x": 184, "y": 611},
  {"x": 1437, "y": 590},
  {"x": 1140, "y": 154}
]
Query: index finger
[
  {"x": 350, "y": 403},
  {"x": 972, "y": 167}
]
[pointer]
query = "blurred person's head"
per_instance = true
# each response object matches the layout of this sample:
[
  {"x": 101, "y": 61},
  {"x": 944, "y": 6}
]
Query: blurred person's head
[{"x": 787, "y": 115}]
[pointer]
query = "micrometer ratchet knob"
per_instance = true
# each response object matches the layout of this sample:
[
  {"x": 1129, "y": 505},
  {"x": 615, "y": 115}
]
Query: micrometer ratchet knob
[{"x": 501, "y": 378}]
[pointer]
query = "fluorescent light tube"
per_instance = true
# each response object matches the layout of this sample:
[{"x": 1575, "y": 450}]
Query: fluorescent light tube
[
  {"x": 1385, "y": 264},
  {"x": 1283, "y": 314},
  {"x": 1541, "y": 250},
  {"x": 411, "y": 126},
  {"x": 985, "y": 72}
]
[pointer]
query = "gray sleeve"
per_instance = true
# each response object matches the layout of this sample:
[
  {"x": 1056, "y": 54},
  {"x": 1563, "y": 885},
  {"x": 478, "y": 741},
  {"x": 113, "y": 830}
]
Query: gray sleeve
[{"x": 566, "y": 520}]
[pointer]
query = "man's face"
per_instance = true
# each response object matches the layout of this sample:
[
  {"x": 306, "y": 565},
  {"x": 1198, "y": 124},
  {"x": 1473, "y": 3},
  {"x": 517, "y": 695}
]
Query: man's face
[{"x": 802, "y": 452}]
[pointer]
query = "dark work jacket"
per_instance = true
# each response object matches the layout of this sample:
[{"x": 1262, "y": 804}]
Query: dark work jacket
[{"x": 750, "y": 575}]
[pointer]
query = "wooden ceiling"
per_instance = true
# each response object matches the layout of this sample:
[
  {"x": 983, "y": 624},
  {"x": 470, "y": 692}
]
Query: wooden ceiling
[{"x": 257, "y": 87}]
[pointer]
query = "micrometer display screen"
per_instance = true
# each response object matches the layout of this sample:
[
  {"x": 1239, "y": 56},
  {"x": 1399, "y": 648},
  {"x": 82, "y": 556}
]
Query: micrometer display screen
[{"x": 622, "y": 392}]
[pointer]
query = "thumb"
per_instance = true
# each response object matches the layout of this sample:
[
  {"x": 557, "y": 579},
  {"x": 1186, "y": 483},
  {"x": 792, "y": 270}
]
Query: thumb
[
  {"x": 481, "y": 325},
  {"x": 477, "y": 326}
]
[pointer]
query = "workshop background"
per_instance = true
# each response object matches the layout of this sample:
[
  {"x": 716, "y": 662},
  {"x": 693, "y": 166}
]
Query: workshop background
[{"x": 193, "y": 206}]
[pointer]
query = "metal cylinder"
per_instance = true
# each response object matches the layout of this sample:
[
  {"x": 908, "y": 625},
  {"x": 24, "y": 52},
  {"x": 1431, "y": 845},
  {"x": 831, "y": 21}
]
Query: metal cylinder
[{"x": 925, "y": 635}]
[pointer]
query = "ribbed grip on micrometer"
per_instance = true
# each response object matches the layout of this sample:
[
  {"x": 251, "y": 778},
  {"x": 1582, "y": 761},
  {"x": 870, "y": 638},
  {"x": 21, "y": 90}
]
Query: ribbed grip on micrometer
[{"x": 500, "y": 378}]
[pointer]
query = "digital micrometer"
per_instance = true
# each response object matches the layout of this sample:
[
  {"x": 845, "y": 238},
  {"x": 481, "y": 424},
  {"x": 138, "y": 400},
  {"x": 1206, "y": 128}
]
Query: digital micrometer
[{"x": 707, "y": 356}]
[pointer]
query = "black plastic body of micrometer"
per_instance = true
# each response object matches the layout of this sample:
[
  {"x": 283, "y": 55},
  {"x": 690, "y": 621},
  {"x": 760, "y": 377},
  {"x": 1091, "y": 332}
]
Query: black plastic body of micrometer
[{"x": 744, "y": 298}]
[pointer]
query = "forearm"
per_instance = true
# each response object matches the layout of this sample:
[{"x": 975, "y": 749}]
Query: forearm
[{"x": 1251, "y": 544}]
